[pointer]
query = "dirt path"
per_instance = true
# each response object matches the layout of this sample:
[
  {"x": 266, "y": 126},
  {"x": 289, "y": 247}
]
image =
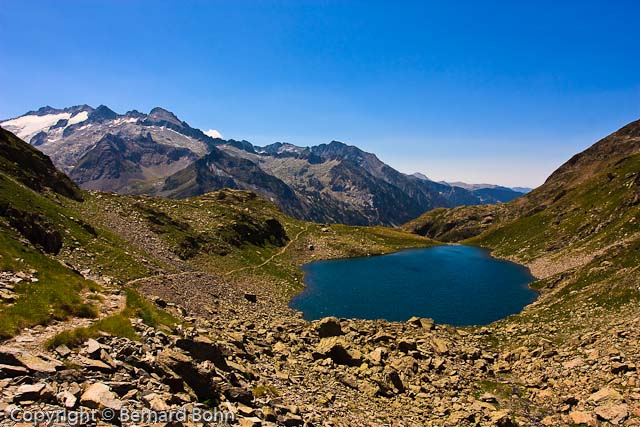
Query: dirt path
[
  {"x": 277, "y": 254},
  {"x": 114, "y": 301},
  {"x": 35, "y": 338}
]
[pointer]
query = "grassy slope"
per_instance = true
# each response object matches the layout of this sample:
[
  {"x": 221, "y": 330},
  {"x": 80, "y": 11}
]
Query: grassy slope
[
  {"x": 213, "y": 221},
  {"x": 118, "y": 324},
  {"x": 57, "y": 294}
]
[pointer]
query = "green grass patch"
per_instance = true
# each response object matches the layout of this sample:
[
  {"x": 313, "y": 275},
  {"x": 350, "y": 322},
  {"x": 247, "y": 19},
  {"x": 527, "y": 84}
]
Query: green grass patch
[
  {"x": 56, "y": 295},
  {"x": 151, "y": 315},
  {"x": 118, "y": 324}
]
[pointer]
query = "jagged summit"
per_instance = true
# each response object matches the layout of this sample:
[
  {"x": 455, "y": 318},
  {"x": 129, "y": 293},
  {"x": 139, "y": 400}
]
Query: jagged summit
[
  {"x": 159, "y": 115},
  {"x": 69, "y": 136}
]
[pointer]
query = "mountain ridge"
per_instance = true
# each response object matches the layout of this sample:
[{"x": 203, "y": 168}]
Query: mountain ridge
[{"x": 160, "y": 154}]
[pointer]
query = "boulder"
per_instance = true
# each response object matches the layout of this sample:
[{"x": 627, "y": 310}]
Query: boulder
[
  {"x": 407, "y": 345},
  {"x": 605, "y": 394},
  {"x": 202, "y": 348},
  {"x": 35, "y": 364},
  {"x": 94, "y": 365},
  {"x": 377, "y": 355},
  {"x": 195, "y": 376},
  {"x": 100, "y": 396},
  {"x": 502, "y": 419},
  {"x": 392, "y": 382},
  {"x": 581, "y": 417},
  {"x": 63, "y": 350},
  {"x": 251, "y": 422},
  {"x": 33, "y": 392},
  {"x": 422, "y": 322},
  {"x": 329, "y": 327},
  {"x": 93, "y": 347},
  {"x": 440, "y": 345},
  {"x": 291, "y": 420},
  {"x": 338, "y": 350},
  {"x": 10, "y": 371},
  {"x": 67, "y": 399},
  {"x": 614, "y": 413}
]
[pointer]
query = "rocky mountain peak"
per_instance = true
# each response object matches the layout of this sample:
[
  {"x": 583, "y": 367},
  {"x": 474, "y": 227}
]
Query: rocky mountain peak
[
  {"x": 421, "y": 176},
  {"x": 102, "y": 114},
  {"x": 134, "y": 114},
  {"x": 159, "y": 114},
  {"x": 47, "y": 109}
]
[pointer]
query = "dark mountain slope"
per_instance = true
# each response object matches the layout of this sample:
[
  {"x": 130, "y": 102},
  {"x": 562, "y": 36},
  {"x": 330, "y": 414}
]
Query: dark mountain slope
[
  {"x": 118, "y": 163},
  {"x": 219, "y": 170},
  {"x": 336, "y": 182},
  {"x": 32, "y": 168}
]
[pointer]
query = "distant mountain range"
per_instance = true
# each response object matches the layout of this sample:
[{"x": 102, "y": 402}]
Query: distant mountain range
[
  {"x": 159, "y": 154},
  {"x": 504, "y": 194}
]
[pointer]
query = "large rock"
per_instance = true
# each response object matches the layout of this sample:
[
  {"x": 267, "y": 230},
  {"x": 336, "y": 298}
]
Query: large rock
[
  {"x": 11, "y": 371},
  {"x": 93, "y": 347},
  {"x": 392, "y": 383},
  {"x": 339, "y": 350},
  {"x": 502, "y": 419},
  {"x": 251, "y": 422},
  {"x": 16, "y": 357},
  {"x": 377, "y": 355},
  {"x": 202, "y": 348},
  {"x": 581, "y": 417},
  {"x": 422, "y": 322},
  {"x": 94, "y": 365},
  {"x": 100, "y": 396},
  {"x": 195, "y": 376},
  {"x": 605, "y": 394},
  {"x": 614, "y": 413},
  {"x": 329, "y": 327},
  {"x": 33, "y": 392},
  {"x": 440, "y": 346}
]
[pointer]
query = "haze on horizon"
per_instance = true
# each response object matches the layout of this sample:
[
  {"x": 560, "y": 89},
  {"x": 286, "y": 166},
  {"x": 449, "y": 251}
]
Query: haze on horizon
[{"x": 497, "y": 92}]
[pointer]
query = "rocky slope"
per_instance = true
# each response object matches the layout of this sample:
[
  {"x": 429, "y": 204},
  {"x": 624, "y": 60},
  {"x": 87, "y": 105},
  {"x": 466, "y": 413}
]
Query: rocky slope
[{"x": 157, "y": 153}]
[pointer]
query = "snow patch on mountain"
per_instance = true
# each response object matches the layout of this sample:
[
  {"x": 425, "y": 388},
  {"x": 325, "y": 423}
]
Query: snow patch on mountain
[
  {"x": 78, "y": 118},
  {"x": 26, "y": 127}
]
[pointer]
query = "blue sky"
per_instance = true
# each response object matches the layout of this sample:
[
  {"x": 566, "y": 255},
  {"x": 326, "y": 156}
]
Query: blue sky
[{"x": 477, "y": 91}]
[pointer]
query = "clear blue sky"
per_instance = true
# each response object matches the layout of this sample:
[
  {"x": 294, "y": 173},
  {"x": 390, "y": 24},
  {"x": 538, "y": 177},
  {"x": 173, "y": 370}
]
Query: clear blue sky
[{"x": 479, "y": 91}]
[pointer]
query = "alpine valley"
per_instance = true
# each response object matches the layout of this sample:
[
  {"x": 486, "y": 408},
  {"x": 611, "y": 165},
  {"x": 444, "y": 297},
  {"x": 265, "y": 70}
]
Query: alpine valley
[
  {"x": 159, "y": 154},
  {"x": 137, "y": 302}
]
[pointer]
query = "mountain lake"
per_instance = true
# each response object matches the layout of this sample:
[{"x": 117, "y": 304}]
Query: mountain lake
[{"x": 453, "y": 284}]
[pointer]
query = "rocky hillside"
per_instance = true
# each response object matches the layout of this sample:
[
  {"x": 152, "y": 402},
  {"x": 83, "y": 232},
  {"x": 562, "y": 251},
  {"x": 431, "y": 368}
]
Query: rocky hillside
[
  {"x": 33, "y": 169},
  {"x": 159, "y": 154}
]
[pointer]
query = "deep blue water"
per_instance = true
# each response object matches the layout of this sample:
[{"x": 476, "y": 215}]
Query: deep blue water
[{"x": 454, "y": 284}]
